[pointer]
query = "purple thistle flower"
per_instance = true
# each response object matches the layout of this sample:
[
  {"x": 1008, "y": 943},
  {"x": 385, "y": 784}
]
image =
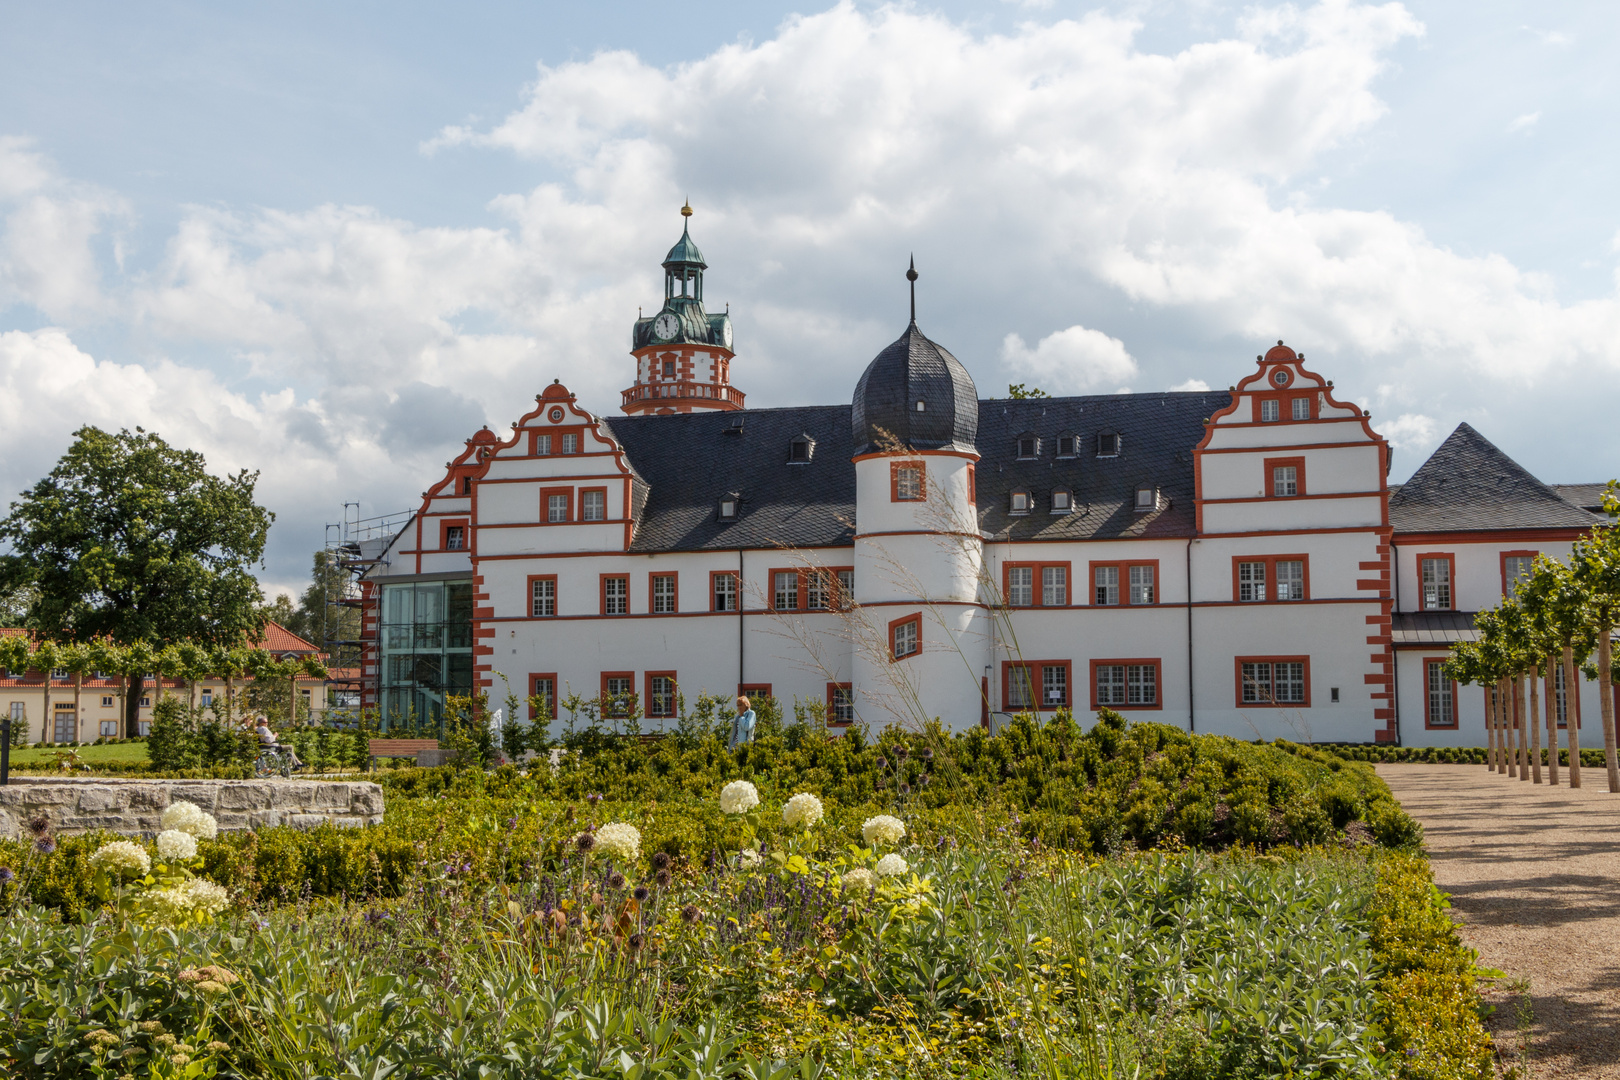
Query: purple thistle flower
[
  {"x": 616, "y": 881},
  {"x": 641, "y": 893},
  {"x": 6, "y": 875},
  {"x": 664, "y": 878},
  {"x": 45, "y": 844}
]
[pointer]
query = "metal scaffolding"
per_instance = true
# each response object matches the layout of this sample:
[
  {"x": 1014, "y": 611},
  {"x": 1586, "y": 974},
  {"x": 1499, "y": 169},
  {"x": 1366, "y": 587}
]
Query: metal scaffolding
[{"x": 353, "y": 546}]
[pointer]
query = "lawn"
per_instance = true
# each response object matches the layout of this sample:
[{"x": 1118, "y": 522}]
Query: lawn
[{"x": 130, "y": 753}]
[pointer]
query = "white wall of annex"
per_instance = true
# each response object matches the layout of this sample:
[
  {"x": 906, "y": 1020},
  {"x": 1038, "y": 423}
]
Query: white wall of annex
[
  {"x": 1171, "y": 556},
  {"x": 1285, "y": 432},
  {"x": 1334, "y": 561},
  {"x": 1294, "y": 514},
  {"x": 1477, "y": 579},
  {"x": 1327, "y": 471}
]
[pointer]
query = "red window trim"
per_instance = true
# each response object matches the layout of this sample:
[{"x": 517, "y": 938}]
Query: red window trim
[
  {"x": 651, "y": 575},
  {"x": 973, "y": 487},
  {"x": 545, "y": 500},
  {"x": 894, "y": 479},
  {"x": 552, "y": 705},
  {"x": 1237, "y": 682},
  {"x": 832, "y": 688},
  {"x": 1158, "y": 682},
  {"x": 804, "y": 573},
  {"x": 1272, "y": 463},
  {"x": 604, "y": 519},
  {"x": 1456, "y": 700},
  {"x": 736, "y": 593},
  {"x": 1502, "y": 558},
  {"x": 1271, "y": 562},
  {"x": 528, "y": 596},
  {"x": 602, "y": 591},
  {"x": 770, "y": 584},
  {"x": 445, "y": 525},
  {"x": 1035, "y": 685},
  {"x": 753, "y": 690},
  {"x": 556, "y": 432},
  {"x": 606, "y": 675},
  {"x": 647, "y": 696},
  {"x": 1285, "y": 405},
  {"x": 893, "y": 625},
  {"x": 1124, "y": 567},
  {"x": 1037, "y": 591},
  {"x": 1451, "y": 575}
]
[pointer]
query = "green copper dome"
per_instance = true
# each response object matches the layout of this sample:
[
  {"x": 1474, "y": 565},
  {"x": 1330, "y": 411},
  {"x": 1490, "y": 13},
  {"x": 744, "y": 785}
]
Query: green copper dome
[{"x": 685, "y": 252}]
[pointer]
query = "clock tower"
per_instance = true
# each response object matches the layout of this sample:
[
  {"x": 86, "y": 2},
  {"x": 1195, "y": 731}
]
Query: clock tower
[{"x": 683, "y": 354}]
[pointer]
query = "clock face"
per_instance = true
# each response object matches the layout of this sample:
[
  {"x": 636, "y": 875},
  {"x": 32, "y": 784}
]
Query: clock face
[
  {"x": 666, "y": 326},
  {"x": 725, "y": 333}
]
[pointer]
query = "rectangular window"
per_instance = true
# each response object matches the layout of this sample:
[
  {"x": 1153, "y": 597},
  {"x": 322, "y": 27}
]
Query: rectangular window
[
  {"x": 1302, "y": 408},
  {"x": 785, "y": 590},
  {"x": 819, "y": 588},
  {"x": 663, "y": 594},
  {"x": 1259, "y": 578},
  {"x": 557, "y": 504},
  {"x": 1020, "y": 586},
  {"x": 1273, "y": 681},
  {"x": 1435, "y": 574},
  {"x": 724, "y": 591},
  {"x": 543, "y": 687},
  {"x": 840, "y": 704},
  {"x": 1125, "y": 684},
  {"x": 1268, "y": 410},
  {"x": 1018, "y": 687},
  {"x": 1054, "y": 586},
  {"x": 146, "y": 702},
  {"x": 615, "y": 594},
  {"x": 905, "y": 637},
  {"x": 543, "y": 596},
  {"x": 109, "y": 729},
  {"x": 19, "y": 712},
  {"x": 1110, "y": 684},
  {"x": 1108, "y": 445},
  {"x": 618, "y": 693},
  {"x": 207, "y": 698},
  {"x": 1556, "y": 692},
  {"x": 455, "y": 537},
  {"x": 542, "y": 445},
  {"x": 593, "y": 504},
  {"x": 906, "y": 481},
  {"x": 1141, "y": 584},
  {"x": 1516, "y": 566},
  {"x": 1065, "y": 446},
  {"x": 1034, "y": 685},
  {"x": 1105, "y": 579},
  {"x": 1284, "y": 481},
  {"x": 570, "y": 443},
  {"x": 106, "y": 702},
  {"x": 1054, "y": 686},
  {"x": 846, "y": 590},
  {"x": 661, "y": 695},
  {"x": 1442, "y": 696}
]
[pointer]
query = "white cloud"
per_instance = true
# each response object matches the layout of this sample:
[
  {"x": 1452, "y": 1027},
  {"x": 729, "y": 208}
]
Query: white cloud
[
  {"x": 1411, "y": 432},
  {"x": 48, "y": 233},
  {"x": 1191, "y": 385},
  {"x": 1525, "y": 122},
  {"x": 1072, "y": 361},
  {"x": 1550, "y": 37}
]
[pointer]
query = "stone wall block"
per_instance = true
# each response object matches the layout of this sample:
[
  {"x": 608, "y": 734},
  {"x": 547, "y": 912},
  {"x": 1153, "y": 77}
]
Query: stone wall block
[
  {"x": 244, "y": 797},
  {"x": 148, "y": 796},
  {"x": 205, "y": 796},
  {"x": 93, "y": 800},
  {"x": 134, "y": 807},
  {"x": 367, "y": 802},
  {"x": 50, "y": 795},
  {"x": 8, "y": 824},
  {"x": 332, "y": 795}
]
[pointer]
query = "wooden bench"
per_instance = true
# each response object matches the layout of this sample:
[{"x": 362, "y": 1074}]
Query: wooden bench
[{"x": 398, "y": 748}]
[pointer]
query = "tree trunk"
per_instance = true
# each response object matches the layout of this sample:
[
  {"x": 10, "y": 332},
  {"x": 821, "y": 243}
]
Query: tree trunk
[
  {"x": 1552, "y": 727},
  {"x": 1532, "y": 720},
  {"x": 133, "y": 685},
  {"x": 1606, "y": 703},
  {"x": 1491, "y": 740},
  {"x": 1518, "y": 718},
  {"x": 1504, "y": 731},
  {"x": 1572, "y": 716}
]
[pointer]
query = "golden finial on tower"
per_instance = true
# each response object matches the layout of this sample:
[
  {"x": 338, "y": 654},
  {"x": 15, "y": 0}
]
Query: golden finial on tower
[{"x": 686, "y": 211}]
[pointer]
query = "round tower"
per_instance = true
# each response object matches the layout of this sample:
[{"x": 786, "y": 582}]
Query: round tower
[
  {"x": 683, "y": 354},
  {"x": 918, "y": 553}
]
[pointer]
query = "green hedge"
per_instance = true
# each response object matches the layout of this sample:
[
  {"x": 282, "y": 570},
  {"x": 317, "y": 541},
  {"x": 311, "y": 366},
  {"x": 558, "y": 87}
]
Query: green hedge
[{"x": 1434, "y": 755}]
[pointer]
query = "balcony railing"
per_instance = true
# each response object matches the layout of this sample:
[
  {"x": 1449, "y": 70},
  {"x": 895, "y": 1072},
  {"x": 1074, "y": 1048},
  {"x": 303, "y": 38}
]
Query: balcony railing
[{"x": 676, "y": 392}]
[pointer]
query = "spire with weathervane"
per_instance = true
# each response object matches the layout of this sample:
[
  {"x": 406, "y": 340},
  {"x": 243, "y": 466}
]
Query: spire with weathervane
[{"x": 683, "y": 353}]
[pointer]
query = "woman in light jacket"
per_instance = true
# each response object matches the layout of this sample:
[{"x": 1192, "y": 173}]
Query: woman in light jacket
[{"x": 742, "y": 728}]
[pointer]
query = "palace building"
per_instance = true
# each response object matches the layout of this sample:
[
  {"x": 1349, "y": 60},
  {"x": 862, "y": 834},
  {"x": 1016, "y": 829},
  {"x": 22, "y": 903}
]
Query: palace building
[{"x": 1232, "y": 562}]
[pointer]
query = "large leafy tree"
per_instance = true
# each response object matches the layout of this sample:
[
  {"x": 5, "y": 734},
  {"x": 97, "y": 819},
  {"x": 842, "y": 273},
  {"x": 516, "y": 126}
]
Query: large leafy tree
[{"x": 132, "y": 539}]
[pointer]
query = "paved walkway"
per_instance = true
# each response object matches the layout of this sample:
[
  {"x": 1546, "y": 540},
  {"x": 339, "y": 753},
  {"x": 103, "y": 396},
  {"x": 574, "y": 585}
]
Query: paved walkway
[{"x": 1534, "y": 876}]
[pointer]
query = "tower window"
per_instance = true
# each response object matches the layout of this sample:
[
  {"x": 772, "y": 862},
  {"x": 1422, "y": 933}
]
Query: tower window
[
  {"x": 1108, "y": 445},
  {"x": 907, "y": 482},
  {"x": 669, "y": 368}
]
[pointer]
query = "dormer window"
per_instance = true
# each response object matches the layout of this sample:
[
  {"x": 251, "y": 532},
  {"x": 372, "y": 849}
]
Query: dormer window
[
  {"x": 1018, "y": 502},
  {"x": 1066, "y": 446},
  {"x": 800, "y": 449},
  {"x": 922, "y": 406},
  {"x": 1029, "y": 446},
  {"x": 1062, "y": 501},
  {"x": 1108, "y": 445},
  {"x": 1147, "y": 498},
  {"x": 728, "y": 507}
]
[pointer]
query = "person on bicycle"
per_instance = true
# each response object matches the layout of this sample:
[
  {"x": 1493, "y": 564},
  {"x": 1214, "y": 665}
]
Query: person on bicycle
[{"x": 267, "y": 741}]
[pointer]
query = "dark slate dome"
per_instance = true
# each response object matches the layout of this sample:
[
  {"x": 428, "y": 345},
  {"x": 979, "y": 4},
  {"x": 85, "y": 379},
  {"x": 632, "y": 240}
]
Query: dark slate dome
[{"x": 910, "y": 371}]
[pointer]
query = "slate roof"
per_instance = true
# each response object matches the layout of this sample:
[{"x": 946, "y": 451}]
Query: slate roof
[
  {"x": 1588, "y": 497},
  {"x": 914, "y": 369},
  {"x": 685, "y": 463},
  {"x": 1470, "y": 485},
  {"x": 1432, "y": 627}
]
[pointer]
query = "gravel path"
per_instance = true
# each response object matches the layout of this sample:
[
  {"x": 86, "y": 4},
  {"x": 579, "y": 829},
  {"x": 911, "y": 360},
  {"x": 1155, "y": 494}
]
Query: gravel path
[{"x": 1534, "y": 877}]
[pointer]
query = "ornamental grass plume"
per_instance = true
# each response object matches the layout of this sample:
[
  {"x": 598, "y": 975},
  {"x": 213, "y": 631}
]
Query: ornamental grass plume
[
  {"x": 858, "y": 878},
  {"x": 121, "y": 859},
  {"x": 188, "y": 817},
  {"x": 176, "y": 846},
  {"x": 891, "y": 865},
  {"x": 620, "y": 840},
  {"x": 883, "y": 829},
  {"x": 738, "y": 797},
  {"x": 801, "y": 811}
]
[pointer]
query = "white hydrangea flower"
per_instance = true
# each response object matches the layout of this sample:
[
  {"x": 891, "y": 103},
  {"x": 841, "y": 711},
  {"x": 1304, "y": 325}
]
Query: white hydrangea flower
[
  {"x": 188, "y": 817},
  {"x": 206, "y": 895},
  {"x": 883, "y": 829},
  {"x": 183, "y": 901},
  {"x": 891, "y": 865},
  {"x": 801, "y": 811},
  {"x": 738, "y": 797},
  {"x": 621, "y": 841},
  {"x": 748, "y": 858},
  {"x": 860, "y": 878},
  {"x": 121, "y": 858},
  {"x": 172, "y": 844}
]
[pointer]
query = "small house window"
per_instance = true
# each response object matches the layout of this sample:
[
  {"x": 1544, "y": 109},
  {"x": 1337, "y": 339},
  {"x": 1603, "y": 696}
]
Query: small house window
[
  {"x": 1146, "y": 499},
  {"x": 1108, "y": 445},
  {"x": 1269, "y": 410},
  {"x": 1028, "y": 447},
  {"x": 1020, "y": 503},
  {"x": 800, "y": 449},
  {"x": 1066, "y": 446},
  {"x": 728, "y": 508},
  {"x": 593, "y": 505},
  {"x": 1062, "y": 501},
  {"x": 1284, "y": 481}
]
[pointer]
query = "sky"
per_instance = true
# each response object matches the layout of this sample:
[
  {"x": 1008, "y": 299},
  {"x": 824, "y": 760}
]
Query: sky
[{"x": 328, "y": 242}]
